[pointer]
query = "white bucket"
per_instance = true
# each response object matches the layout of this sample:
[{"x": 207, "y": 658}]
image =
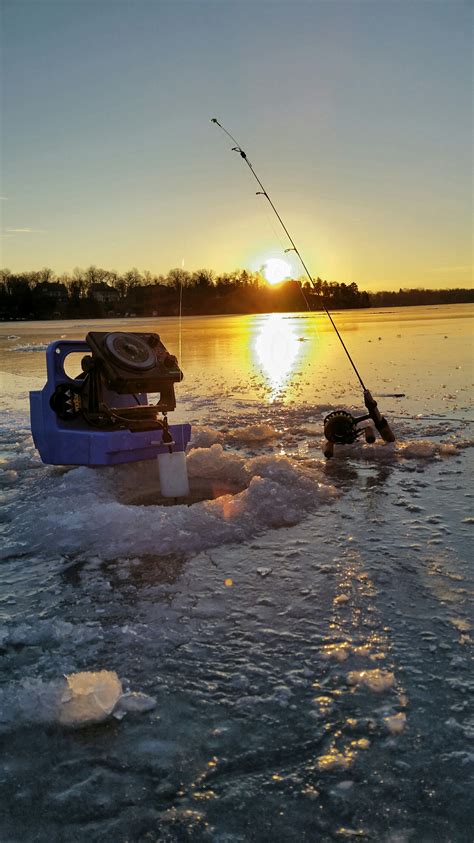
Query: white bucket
[{"x": 173, "y": 473}]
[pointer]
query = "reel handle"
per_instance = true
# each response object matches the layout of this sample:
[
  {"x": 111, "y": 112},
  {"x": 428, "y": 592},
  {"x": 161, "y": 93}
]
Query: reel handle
[
  {"x": 379, "y": 421},
  {"x": 328, "y": 450},
  {"x": 369, "y": 434}
]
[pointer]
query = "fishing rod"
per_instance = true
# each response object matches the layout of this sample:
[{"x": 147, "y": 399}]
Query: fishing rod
[{"x": 340, "y": 426}]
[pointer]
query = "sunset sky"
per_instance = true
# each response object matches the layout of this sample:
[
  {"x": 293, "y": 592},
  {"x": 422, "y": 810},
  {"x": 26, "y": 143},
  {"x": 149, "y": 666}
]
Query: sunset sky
[{"x": 357, "y": 115}]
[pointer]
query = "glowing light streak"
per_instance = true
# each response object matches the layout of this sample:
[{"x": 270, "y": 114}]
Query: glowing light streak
[{"x": 277, "y": 349}]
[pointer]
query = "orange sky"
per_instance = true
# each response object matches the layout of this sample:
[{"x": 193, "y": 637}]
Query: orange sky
[{"x": 356, "y": 116}]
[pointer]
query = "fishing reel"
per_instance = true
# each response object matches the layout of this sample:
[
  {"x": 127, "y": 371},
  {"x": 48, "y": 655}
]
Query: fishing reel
[{"x": 342, "y": 428}]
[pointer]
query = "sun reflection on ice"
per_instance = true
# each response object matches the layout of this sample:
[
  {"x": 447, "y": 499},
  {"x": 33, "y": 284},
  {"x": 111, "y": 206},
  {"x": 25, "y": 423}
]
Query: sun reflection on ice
[
  {"x": 348, "y": 712},
  {"x": 277, "y": 348}
]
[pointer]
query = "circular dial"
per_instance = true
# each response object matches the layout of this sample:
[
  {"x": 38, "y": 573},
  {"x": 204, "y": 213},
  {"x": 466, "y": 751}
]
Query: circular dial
[{"x": 130, "y": 351}]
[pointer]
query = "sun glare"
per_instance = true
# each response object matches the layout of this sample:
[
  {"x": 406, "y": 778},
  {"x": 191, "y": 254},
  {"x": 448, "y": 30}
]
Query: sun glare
[
  {"x": 276, "y": 350},
  {"x": 276, "y": 270}
]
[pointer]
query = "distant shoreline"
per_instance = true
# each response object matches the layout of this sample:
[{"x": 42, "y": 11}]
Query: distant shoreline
[
  {"x": 248, "y": 313},
  {"x": 101, "y": 294}
]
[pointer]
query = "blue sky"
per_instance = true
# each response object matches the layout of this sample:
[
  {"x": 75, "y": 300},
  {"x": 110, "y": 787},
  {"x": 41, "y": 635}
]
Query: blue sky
[{"x": 356, "y": 115}]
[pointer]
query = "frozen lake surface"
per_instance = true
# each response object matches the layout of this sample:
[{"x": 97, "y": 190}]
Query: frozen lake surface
[{"x": 304, "y": 626}]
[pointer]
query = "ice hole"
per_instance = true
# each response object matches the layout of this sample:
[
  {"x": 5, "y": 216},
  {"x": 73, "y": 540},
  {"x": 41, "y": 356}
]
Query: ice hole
[{"x": 200, "y": 490}]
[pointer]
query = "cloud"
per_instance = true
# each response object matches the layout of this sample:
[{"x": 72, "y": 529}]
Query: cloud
[{"x": 25, "y": 230}]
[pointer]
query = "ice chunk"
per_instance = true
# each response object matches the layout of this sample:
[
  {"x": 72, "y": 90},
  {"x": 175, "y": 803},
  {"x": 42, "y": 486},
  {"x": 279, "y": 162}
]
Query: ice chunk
[
  {"x": 375, "y": 680},
  {"x": 133, "y": 702},
  {"x": 396, "y": 723},
  {"x": 89, "y": 697},
  {"x": 334, "y": 760},
  {"x": 461, "y": 624},
  {"x": 421, "y": 449},
  {"x": 204, "y": 437},
  {"x": 255, "y": 433},
  {"x": 342, "y": 598},
  {"x": 214, "y": 463},
  {"x": 78, "y": 699},
  {"x": 345, "y": 785},
  {"x": 339, "y": 652}
]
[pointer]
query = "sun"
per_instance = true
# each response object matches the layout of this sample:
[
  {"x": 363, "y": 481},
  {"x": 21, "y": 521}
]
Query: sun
[{"x": 276, "y": 270}]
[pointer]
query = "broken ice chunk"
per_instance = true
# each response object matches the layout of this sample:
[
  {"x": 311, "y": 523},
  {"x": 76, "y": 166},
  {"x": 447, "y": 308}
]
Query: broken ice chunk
[
  {"x": 396, "y": 723},
  {"x": 374, "y": 680},
  {"x": 89, "y": 697},
  {"x": 133, "y": 702}
]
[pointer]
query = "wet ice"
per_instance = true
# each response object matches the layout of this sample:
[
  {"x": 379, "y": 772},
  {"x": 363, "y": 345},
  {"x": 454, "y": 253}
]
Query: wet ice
[{"x": 304, "y": 627}]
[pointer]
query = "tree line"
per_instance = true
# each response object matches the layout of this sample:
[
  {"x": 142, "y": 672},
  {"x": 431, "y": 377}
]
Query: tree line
[{"x": 98, "y": 293}]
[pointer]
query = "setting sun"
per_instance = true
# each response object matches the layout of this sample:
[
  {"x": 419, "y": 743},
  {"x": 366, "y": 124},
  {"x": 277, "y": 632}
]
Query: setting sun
[{"x": 276, "y": 270}]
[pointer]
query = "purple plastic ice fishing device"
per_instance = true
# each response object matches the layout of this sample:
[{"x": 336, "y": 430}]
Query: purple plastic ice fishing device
[{"x": 102, "y": 416}]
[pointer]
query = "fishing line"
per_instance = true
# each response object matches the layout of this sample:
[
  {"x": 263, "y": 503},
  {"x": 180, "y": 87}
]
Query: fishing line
[
  {"x": 180, "y": 326},
  {"x": 180, "y": 311},
  {"x": 263, "y": 192},
  {"x": 340, "y": 427},
  {"x": 274, "y": 230}
]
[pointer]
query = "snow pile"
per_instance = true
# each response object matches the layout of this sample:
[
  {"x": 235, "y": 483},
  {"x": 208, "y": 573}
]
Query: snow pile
[
  {"x": 216, "y": 464},
  {"x": 204, "y": 437},
  {"x": 254, "y": 433},
  {"x": 87, "y": 509}
]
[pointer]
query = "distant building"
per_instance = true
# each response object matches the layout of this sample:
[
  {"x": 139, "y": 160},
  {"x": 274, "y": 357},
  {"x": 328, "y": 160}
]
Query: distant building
[
  {"x": 103, "y": 293},
  {"x": 53, "y": 290}
]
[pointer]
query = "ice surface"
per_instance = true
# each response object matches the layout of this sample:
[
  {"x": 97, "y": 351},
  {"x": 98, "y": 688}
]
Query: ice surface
[
  {"x": 242, "y": 615},
  {"x": 30, "y": 701}
]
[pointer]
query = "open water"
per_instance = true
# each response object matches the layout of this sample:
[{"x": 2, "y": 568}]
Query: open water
[{"x": 304, "y": 626}]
